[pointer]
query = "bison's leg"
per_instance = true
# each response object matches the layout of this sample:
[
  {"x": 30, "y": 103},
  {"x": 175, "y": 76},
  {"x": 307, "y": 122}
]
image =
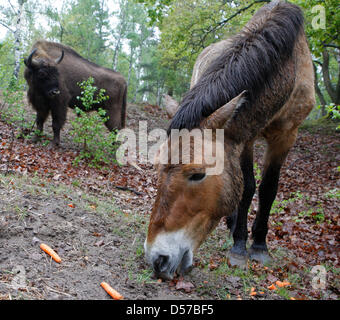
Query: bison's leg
[
  {"x": 42, "y": 115},
  {"x": 58, "y": 120},
  {"x": 277, "y": 150},
  {"x": 114, "y": 121},
  {"x": 238, "y": 253}
]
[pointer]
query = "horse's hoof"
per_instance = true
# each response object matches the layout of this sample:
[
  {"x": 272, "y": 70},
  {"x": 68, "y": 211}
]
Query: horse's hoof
[
  {"x": 237, "y": 260},
  {"x": 260, "y": 255}
]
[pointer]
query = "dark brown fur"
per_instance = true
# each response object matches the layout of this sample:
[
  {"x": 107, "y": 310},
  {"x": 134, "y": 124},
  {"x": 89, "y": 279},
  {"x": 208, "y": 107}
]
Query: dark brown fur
[{"x": 44, "y": 76}]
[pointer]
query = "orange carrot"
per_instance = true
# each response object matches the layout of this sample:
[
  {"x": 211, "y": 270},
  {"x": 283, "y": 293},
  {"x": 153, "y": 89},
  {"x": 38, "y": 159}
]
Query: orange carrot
[
  {"x": 282, "y": 284},
  {"x": 272, "y": 287},
  {"x": 51, "y": 252},
  {"x": 252, "y": 291},
  {"x": 112, "y": 292}
]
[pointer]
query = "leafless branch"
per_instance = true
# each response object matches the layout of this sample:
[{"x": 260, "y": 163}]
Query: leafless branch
[
  {"x": 14, "y": 11},
  {"x": 6, "y": 26}
]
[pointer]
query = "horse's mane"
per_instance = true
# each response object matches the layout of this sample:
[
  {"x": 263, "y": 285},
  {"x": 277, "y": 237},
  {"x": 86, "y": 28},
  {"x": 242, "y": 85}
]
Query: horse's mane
[{"x": 249, "y": 63}]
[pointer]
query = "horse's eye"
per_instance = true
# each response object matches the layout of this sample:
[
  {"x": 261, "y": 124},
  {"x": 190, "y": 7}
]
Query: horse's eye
[{"x": 197, "y": 177}]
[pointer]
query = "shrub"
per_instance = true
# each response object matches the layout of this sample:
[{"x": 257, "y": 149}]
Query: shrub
[{"x": 98, "y": 146}]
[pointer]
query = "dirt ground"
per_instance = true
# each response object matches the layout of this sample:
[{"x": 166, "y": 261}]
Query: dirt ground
[{"x": 98, "y": 229}]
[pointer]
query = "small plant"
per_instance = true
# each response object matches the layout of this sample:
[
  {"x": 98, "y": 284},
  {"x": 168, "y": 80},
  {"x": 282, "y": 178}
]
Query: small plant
[
  {"x": 88, "y": 128},
  {"x": 257, "y": 172},
  {"x": 12, "y": 110},
  {"x": 316, "y": 214},
  {"x": 333, "y": 194},
  {"x": 333, "y": 111}
]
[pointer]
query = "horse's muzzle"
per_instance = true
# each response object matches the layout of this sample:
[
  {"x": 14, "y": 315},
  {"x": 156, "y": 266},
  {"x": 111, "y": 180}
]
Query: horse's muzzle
[{"x": 168, "y": 261}]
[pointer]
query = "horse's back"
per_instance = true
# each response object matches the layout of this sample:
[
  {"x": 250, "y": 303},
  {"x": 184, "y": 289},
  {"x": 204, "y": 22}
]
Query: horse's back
[{"x": 302, "y": 97}]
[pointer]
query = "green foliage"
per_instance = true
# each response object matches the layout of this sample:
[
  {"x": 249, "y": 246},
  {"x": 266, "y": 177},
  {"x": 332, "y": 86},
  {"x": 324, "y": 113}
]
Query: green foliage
[
  {"x": 187, "y": 27},
  {"x": 333, "y": 111},
  {"x": 12, "y": 109},
  {"x": 319, "y": 37},
  {"x": 88, "y": 129},
  {"x": 84, "y": 25}
]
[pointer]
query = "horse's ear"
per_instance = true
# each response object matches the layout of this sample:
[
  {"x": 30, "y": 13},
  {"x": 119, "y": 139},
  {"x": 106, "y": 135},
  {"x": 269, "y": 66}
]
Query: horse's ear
[
  {"x": 219, "y": 119},
  {"x": 171, "y": 105}
]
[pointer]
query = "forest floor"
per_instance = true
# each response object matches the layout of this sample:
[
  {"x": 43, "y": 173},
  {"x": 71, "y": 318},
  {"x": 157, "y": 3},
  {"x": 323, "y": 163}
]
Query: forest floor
[{"x": 99, "y": 229}]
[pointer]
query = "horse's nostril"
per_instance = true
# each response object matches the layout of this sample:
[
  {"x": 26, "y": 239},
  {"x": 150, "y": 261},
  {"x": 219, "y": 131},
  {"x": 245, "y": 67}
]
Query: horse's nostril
[{"x": 160, "y": 262}]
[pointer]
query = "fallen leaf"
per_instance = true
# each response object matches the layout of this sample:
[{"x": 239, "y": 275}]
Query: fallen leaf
[
  {"x": 99, "y": 243},
  {"x": 185, "y": 285}
]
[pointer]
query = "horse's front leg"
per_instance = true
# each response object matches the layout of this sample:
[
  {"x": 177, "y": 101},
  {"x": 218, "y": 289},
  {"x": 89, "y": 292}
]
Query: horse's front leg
[
  {"x": 238, "y": 253},
  {"x": 276, "y": 154}
]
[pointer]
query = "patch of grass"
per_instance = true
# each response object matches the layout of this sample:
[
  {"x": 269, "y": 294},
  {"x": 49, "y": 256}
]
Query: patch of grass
[
  {"x": 325, "y": 125},
  {"x": 317, "y": 215},
  {"x": 257, "y": 171},
  {"x": 144, "y": 276},
  {"x": 333, "y": 194}
]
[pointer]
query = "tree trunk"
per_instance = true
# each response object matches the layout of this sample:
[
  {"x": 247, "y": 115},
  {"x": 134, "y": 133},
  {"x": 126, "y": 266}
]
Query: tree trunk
[
  {"x": 130, "y": 66},
  {"x": 318, "y": 92},
  {"x": 326, "y": 76},
  {"x": 115, "y": 54},
  {"x": 137, "y": 83},
  {"x": 17, "y": 39}
]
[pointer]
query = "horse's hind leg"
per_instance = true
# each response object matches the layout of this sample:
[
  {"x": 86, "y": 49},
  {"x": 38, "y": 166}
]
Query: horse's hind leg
[
  {"x": 277, "y": 150},
  {"x": 238, "y": 253}
]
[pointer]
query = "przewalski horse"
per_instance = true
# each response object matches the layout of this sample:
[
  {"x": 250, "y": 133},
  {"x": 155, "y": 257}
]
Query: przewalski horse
[
  {"x": 259, "y": 83},
  {"x": 53, "y": 72}
]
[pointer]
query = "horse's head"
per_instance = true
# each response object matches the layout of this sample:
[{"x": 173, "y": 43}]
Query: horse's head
[{"x": 194, "y": 191}]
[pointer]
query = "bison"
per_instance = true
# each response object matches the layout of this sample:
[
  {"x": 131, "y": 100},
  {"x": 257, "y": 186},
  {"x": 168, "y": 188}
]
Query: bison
[{"x": 53, "y": 72}]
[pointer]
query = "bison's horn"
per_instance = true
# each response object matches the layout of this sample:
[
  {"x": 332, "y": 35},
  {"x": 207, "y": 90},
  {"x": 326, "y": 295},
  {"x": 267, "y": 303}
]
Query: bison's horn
[
  {"x": 57, "y": 61},
  {"x": 28, "y": 61}
]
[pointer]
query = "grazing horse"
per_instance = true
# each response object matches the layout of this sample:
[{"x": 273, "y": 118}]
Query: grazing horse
[{"x": 259, "y": 83}]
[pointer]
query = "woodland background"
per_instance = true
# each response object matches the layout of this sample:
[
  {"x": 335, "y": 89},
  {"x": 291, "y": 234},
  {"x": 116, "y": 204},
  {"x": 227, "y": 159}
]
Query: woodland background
[{"x": 154, "y": 43}]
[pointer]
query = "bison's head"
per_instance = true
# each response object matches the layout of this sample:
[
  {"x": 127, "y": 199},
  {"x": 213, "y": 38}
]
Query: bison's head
[{"x": 42, "y": 73}]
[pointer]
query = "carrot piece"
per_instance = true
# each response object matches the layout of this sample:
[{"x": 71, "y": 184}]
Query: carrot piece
[
  {"x": 112, "y": 292},
  {"x": 282, "y": 284},
  {"x": 272, "y": 287},
  {"x": 51, "y": 252}
]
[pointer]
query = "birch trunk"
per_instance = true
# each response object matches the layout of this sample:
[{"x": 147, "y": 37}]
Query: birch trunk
[
  {"x": 17, "y": 39},
  {"x": 130, "y": 66}
]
